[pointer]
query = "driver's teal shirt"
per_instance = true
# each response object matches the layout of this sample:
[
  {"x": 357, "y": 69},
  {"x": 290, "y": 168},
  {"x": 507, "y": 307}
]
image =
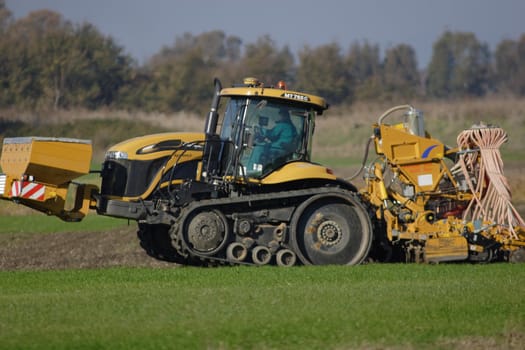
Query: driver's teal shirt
[{"x": 282, "y": 135}]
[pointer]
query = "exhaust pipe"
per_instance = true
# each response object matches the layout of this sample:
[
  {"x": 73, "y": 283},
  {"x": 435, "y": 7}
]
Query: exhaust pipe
[{"x": 213, "y": 115}]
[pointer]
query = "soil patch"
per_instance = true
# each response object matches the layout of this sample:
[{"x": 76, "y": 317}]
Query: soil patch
[{"x": 72, "y": 250}]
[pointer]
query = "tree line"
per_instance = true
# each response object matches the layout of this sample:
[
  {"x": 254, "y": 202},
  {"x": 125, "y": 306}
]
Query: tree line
[{"x": 47, "y": 62}]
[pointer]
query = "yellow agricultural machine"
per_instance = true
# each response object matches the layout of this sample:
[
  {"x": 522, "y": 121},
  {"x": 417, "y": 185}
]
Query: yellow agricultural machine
[{"x": 245, "y": 191}]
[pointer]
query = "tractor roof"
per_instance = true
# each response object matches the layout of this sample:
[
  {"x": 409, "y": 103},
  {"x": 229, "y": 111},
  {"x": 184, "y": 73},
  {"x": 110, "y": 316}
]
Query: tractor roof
[{"x": 252, "y": 87}]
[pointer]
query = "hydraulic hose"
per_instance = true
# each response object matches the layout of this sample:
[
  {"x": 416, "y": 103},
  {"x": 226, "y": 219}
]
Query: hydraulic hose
[
  {"x": 392, "y": 110},
  {"x": 363, "y": 163},
  {"x": 492, "y": 197}
]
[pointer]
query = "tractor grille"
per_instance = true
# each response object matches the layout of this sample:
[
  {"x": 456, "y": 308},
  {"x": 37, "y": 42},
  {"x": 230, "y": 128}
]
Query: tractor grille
[{"x": 128, "y": 178}]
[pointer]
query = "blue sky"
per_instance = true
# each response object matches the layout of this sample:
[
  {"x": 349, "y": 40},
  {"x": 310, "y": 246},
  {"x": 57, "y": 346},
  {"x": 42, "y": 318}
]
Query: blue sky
[{"x": 144, "y": 27}]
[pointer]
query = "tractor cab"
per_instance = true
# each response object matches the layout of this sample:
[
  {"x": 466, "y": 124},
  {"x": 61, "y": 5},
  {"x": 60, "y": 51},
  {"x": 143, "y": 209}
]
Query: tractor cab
[
  {"x": 266, "y": 133},
  {"x": 259, "y": 129}
]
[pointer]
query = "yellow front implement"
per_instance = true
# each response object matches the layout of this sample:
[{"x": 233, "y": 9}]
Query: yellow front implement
[{"x": 38, "y": 173}]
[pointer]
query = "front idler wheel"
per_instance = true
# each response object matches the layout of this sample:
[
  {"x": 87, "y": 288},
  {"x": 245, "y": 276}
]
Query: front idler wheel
[{"x": 207, "y": 232}]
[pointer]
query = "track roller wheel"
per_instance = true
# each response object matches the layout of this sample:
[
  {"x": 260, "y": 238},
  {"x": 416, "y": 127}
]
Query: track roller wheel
[
  {"x": 286, "y": 258},
  {"x": 331, "y": 229},
  {"x": 261, "y": 255},
  {"x": 236, "y": 252}
]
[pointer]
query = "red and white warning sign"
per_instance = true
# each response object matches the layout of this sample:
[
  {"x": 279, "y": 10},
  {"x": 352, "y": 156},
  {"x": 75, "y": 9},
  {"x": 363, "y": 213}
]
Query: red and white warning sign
[
  {"x": 3, "y": 179},
  {"x": 28, "y": 190}
]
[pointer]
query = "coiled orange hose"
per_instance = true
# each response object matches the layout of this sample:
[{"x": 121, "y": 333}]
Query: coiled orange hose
[{"x": 492, "y": 196}]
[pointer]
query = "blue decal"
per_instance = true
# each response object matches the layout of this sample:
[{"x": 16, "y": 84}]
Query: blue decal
[{"x": 427, "y": 151}]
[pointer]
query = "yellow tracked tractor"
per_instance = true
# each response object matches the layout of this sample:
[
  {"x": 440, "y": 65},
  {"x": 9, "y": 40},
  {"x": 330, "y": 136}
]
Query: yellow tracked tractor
[{"x": 246, "y": 191}]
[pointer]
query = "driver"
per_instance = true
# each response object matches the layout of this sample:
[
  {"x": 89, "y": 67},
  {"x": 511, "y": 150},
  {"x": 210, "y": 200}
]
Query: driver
[
  {"x": 276, "y": 142},
  {"x": 282, "y": 134}
]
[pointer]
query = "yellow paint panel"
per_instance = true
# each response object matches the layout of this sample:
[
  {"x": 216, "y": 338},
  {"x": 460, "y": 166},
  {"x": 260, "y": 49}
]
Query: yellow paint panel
[
  {"x": 48, "y": 160},
  {"x": 402, "y": 147},
  {"x": 446, "y": 249},
  {"x": 132, "y": 146},
  {"x": 298, "y": 171},
  {"x": 426, "y": 176},
  {"x": 317, "y": 102},
  {"x": 405, "y": 151}
]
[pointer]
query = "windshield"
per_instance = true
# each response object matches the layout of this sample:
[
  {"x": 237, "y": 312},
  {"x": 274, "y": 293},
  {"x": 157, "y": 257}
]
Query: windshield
[{"x": 266, "y": 133}]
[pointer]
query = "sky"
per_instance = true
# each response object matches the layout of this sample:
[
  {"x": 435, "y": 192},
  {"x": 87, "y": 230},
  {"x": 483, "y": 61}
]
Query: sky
[{"x": 143, "y": 27}]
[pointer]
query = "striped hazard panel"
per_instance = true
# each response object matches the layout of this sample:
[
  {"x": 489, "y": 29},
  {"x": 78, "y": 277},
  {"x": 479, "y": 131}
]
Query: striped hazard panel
[
  {"x": 28, "y": 190},
  {"x": 3, "y": 179}
]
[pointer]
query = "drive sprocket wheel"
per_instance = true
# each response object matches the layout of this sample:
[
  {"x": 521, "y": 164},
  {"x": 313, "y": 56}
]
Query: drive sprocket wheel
[{"x": 332, "y": 230}]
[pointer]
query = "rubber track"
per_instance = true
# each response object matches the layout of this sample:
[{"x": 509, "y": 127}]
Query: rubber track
[{"x": 184, "y": 249}]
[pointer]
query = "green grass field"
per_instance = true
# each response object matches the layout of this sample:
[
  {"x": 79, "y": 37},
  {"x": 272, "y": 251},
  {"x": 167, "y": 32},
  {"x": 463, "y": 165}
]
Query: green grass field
[{"x": 368, "y": 307}]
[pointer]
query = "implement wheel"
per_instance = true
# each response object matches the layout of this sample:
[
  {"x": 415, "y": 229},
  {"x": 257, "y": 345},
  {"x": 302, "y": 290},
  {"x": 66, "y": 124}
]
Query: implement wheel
[{"x": 331, "y": 230}]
